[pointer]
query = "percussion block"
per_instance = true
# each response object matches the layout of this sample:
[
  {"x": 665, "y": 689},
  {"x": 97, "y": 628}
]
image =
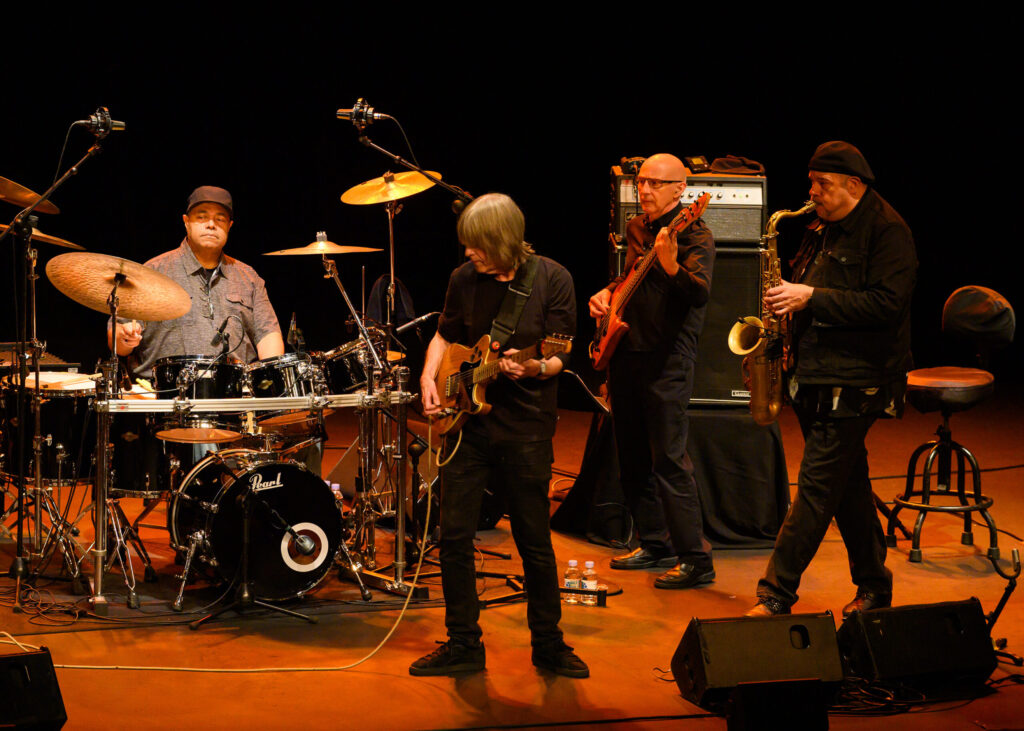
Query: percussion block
[
  {"x": 920, "y": 645},
  {"x": 29, "y": 694},
  {"x": 716, "y": 655}
]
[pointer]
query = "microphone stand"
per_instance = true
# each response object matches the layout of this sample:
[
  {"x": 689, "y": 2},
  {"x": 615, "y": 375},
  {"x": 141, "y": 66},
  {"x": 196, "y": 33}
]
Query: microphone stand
[
  {"x": 392, "y": 207},
  {"x": 21, "y": 229}
]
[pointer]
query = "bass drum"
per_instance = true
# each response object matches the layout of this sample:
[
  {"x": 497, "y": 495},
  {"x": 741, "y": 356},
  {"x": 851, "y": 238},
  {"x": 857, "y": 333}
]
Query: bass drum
[{"x": 283, "y": 493}]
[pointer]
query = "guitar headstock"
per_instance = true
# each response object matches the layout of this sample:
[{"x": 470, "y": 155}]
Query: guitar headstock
[
  {"x": 554, "y": 344},
  {"x": 691, "y": 214}
]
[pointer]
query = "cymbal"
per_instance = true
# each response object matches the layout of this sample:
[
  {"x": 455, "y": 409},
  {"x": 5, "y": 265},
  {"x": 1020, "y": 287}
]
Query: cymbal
[
  {"x": 390, "y": 187},
  {"x": 146, "y": 294},
  {"x": 38, "y": 235},
  {"x": 19, "y": 195},
  {"x": 321, "y": 247}
]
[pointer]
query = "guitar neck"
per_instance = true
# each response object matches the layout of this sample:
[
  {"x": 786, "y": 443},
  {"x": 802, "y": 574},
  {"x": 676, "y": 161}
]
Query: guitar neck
[{"x": 490, "y": 370}]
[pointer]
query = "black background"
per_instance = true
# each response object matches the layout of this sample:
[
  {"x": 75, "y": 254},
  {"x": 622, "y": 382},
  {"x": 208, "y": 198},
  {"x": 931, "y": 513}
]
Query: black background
[{"x": 538, "y": 109}]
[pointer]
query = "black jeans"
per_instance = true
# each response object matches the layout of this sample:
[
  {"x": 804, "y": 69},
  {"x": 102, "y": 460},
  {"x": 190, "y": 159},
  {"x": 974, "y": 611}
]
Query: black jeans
[
  {"x": 524, "y": 472},
  {"x": 833, "y": 482},
  {"x": 650, "y": 393}
]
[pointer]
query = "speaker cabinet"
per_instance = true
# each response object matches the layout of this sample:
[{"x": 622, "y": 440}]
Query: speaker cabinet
[
  {"x": 29, "y": 694},
  {"x": 716, "y": 655},
  {"x": 735, "y": 291},
  {"x": 920, "y": 645}
]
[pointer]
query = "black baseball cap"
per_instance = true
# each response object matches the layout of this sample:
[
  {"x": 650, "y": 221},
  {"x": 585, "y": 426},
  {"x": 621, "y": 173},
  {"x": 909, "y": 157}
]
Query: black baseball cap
[{"x": 210, "y": 194}]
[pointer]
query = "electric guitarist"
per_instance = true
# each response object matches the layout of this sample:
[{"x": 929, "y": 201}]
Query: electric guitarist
[
  {"x": 512, "y": 298},
  {"x": 650, "y": 379}
]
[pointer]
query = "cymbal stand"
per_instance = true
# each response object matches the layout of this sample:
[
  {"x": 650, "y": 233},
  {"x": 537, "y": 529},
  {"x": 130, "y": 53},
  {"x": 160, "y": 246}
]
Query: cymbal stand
[
  {"x": 106, "y": 389},
  {"x": 331, "y": 269}
]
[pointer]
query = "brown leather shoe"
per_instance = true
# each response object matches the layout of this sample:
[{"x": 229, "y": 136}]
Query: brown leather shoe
[
  {"x": 767, "y": 606},
  {"x": 867, "y": 600}
]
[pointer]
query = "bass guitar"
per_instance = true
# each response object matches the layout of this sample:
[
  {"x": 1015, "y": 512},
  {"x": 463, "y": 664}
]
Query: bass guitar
[
  {"x": 465, "y": 373},
  {"x": 611, "y": 328}
]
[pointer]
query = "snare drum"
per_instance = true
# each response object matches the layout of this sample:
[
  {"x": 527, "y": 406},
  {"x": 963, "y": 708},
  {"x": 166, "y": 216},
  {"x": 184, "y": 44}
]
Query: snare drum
[
  {"x": 200, "y": 376},
  {"x": 283, "y": 493},
  {"x": 345, "y": 367},
  {"x": 291, "y": 374},
  {"x": 67, "y": 426}
]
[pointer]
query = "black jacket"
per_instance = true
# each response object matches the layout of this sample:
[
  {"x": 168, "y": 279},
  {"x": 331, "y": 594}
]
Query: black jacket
[{"x": 856, "y": 329}]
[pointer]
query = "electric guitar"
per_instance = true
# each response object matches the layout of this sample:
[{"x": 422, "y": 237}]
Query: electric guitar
[
  {"x": 611, "y": 327},
  {"x": 464, "y": 374}
]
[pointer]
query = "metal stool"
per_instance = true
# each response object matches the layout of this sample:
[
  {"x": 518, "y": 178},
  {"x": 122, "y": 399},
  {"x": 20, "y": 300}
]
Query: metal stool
[{"x": 947, "y": 390}]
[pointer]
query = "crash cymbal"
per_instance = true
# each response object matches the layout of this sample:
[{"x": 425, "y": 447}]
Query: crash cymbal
[
  {"x": 38, "y": 235},
  {"x": 19, "y": 195},
  {"x": 146, "y": 294},
  {"x": 390, "y": 187},
  {"x": 319, "y": 248}
]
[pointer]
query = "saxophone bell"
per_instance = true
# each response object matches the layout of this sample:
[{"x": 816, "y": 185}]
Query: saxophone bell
[{"x": 746, "y": 335}]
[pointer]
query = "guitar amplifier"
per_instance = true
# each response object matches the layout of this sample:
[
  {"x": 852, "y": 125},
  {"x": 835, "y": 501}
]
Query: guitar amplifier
[{"x": 736, "y": 214}]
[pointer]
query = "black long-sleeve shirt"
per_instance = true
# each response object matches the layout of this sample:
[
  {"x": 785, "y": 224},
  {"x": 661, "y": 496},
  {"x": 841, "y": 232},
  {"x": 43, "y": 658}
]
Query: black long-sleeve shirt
[{"x": 666, "y": 314}]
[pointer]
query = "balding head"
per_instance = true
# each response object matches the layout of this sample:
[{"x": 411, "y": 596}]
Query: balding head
[{"x": 660, "y": 183}]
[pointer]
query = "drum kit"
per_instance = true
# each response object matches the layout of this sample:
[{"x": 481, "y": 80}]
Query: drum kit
[{"x": 240, "y": 503}]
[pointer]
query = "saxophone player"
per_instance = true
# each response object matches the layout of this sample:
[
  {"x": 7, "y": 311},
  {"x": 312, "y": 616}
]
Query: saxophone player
[{"x": 849, "y": 297}]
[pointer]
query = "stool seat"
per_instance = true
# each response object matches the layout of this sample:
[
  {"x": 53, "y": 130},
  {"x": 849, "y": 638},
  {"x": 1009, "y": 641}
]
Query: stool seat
[{"x": 948, "y": 389}]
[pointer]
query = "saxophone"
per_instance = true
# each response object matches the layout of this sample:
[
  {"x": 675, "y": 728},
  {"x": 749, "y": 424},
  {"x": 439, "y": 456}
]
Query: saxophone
[{"x": 763, "y": 341}]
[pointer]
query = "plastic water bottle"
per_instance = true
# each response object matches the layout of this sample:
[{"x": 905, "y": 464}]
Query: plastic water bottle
[
  {"x": 589, "y": 583},
  {"x": 573, "y": 581}
]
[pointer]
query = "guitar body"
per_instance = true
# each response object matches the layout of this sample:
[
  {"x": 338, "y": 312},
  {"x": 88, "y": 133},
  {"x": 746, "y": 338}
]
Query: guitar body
[
  {"x": 464, "y": 373},
  {"x": 610, "y": 331},
  {"x": 461, "y": 398}
]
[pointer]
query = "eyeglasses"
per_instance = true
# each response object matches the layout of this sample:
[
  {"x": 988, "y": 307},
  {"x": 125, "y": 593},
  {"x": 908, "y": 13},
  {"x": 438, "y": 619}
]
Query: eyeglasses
[{"x": 655, "y": 182}]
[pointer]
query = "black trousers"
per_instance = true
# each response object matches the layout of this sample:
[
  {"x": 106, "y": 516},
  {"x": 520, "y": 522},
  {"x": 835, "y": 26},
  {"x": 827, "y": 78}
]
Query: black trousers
[
  {"x": 650, "y": 393},
  {"x": 524, "y": 472},
  {"x": 833, "y": 482}
]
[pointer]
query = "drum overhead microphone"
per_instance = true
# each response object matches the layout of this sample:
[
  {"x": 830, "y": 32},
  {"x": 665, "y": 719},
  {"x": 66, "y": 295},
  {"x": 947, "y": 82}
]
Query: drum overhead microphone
[
  {"x": 100, "y": 123},
  {"x": 361, "y": 114}
]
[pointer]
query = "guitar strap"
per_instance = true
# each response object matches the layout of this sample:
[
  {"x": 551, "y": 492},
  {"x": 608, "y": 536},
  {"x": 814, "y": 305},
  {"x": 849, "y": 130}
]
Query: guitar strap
[{"x": 504, "y": 325}]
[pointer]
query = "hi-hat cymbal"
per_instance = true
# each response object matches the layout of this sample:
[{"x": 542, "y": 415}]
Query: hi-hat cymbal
[
  {"x": 38, "y": 235},
  {"x": 390, "y": 187},
  {"x": 19, "y": 195},
  {"x": 145, "y": 294},
  {"x": 319, "y": 248}
]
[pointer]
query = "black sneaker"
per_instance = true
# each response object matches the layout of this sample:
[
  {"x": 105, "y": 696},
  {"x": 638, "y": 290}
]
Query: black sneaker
[
  {"x": 561, "y": 661},
  {"x": 450, "y": 658}
]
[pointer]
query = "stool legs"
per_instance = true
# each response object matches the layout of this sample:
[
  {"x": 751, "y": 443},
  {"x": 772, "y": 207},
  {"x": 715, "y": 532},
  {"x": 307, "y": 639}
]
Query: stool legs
[{"x": 940, "y": 458}]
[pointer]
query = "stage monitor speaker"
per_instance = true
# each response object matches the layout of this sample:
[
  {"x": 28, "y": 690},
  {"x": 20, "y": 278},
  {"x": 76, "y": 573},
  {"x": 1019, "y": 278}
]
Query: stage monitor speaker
[
  {"x": 716, "y": 655},
  {"x": 735, "y": 291},
  {"x": 29, "y": 694},
  {"x": 926, "y": 645}
]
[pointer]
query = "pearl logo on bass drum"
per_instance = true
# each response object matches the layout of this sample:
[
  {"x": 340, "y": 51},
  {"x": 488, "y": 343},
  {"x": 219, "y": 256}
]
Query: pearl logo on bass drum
[{"x": 257, "y": 484}]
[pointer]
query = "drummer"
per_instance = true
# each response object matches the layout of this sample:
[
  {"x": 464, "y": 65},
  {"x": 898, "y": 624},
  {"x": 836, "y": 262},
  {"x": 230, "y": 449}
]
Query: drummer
[{"x": 230, "y": 306}]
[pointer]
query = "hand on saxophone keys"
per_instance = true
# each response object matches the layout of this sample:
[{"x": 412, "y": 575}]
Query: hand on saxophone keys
[{"x": 787, "y": 297}]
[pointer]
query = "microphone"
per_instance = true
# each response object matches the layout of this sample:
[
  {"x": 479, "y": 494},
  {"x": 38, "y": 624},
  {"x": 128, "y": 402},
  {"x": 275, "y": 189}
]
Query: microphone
[
  {"x": 304, "y": 545},
  {"x": 100, "y": 123},
  {"x": 361, "y": 114},
  {"x": 220, "y": 332},
  {"x": 414, "y": 323},
  {"x": 295, "y": 338}
]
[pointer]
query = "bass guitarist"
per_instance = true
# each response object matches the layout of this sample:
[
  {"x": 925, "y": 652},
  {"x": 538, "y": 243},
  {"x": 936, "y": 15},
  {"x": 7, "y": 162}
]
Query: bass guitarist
[
  {"x": 650, "y": 380},
  {"x": 519, "y": 298}
]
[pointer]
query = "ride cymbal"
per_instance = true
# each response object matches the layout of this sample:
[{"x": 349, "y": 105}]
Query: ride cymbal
[
  {"x": 389, "y": 187},
  {"x": 145, "y": 293}
]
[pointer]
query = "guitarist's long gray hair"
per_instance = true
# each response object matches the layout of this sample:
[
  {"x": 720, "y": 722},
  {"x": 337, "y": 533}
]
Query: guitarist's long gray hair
[{"x": 494, "y": 224}]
